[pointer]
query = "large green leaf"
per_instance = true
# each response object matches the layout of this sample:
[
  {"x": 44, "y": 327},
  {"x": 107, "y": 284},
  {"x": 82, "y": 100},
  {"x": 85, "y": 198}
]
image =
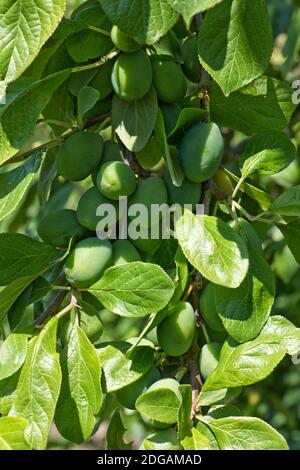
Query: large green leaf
[
  {"x": 245, "y": 433},
  {"x": 235, "y": 42},
  {"x": 25, "y": 25},
  {"x": 267, "y": 153},
  {"x": 121, "y": 369},
  {"x": 134, "y": 289},
  {"x": 20, "y": 115},
  {"x": 12, "y": 354},
  {"x": 145, "y": 20},
  {"x": 213, "y": 248},
  {"x": 12, "y": 430},
  {"x": 247, "y": 363},
  {"x": 265, "y": 104},
  {"x": 288, "y": 203},
  {"x": 14, "y": 184},
  {"x": 134, "y": 121},
  {"x": 283, "y": 328},
  {"x": 80, "y": 392},
  {"x": 245, "y": 310},
  {"x": 20, "y": 256},
  {"x": 39, "y": 385},
  {"x": 161, "y": 404}
]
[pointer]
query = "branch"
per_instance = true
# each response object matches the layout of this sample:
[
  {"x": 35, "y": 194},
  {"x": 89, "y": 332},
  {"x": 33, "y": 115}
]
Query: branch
[
  {"x": 130, "y": 157},
  {"x": 53, "y": 307}
]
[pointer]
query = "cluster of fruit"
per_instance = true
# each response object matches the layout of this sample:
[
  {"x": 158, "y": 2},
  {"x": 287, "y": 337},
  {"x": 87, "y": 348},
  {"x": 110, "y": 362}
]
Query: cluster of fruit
[{"x": 86, "y": 153}]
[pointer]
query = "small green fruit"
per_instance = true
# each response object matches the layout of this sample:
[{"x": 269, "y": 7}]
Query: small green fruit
[
  {"x": 116, "y": 179},
  {"x": 187, "y": 193},
  {"x": 87, "y": 262},
  {"x": 58, "y": 227},
  {"x": 123, "y": 41},
  {"x": 223, "y": 183},
  {"x": 168, "y": 79},
  {"x": 79, "y": 155},
  {"x": 127, "y": 396},
  {"x": 176, "y": 333},
  {"x": 132, "y": 75},
  {"x": 191, "y": 65},
  {"x": 209, "y": 358},
  {"x": 208, "y": 309},
  {"x": 87, "y": 209},
  {"x": 124, "y": 252},
  {"x": 201, "y": 151}
]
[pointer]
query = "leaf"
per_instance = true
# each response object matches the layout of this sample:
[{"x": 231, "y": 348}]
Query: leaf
[
  {"x": 11, "y": 292},
  {"x": 222, "y": 395},
  {"x": 196, "y": 441},
  {"x": 134, "y": 121},
  {"x": 119, "y": 368},
  {"x": 192, "y": 7},
  {"x": 242, "y": 47},
  {"x": 14, "y": 184},
  {"x": 161, "y": 404},
  {"x": 186, "y": 119},
  {"x": 81, "y": 391},
  {"x": 20, "y": 256},
  {"x": 213, "y": 248},
  {"x": 260, "y": 196},
  {"x": 267, "y": 153},
  {"x": 288, "y": 203},
  {"x": 184, "y": 414},
  {"x": 283, "y": 328},
  {"x": 145, "y": 20},
  {"x": 8, "y": 392},
  {"x": 246, "y": 363},
  {"x": 20, "y": 115},
  {"x": 38, "y": 386},
  {"x": 291, "y": 233},
  {"x": 134, "y": 289},
  {"x": 25, "y": 25},
  {"x": 245, "y": 433},
  {"x": 174, "y": 166},
  {"x": 265, "y": 104},
  {"x": 115, "y": 433},
  {"x": 12, "y": 431},
  {"x": 12, "y": 354},
  {"x": 47, "y": 175},
  {"x": 245, "y": 310},
  {"x": 87, "y": 98}
]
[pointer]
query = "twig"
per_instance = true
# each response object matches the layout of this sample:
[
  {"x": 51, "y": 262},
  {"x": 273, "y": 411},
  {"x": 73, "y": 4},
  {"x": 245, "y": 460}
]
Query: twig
[
  {"x": 53, "y": 307},
  {"x": 131, "y": 159}
]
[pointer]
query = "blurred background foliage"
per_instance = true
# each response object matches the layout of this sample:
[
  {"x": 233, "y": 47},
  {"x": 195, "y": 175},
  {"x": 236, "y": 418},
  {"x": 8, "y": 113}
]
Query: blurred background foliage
[{"x": 277, "y": 399}]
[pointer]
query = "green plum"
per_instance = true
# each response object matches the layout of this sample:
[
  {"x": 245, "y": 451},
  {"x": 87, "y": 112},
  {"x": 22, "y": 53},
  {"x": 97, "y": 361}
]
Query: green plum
[
  {"x": 208, "y": 310},
  {"x": 168, "y": 79},
  {"x": 191, "y": 65},
  {"x": 123, "y": 41},
  {"x": 187, "y": 193},
  {"x": 57, "y": 228},
  {"x": 209, "y": 358},
  {"x": 176, "y": 332},
  {"x": 128, "y": 395},
  {"x": 87, "y": 208},
  {"x": 116, "y": 179},
  {"x": 124, "y": 252}
]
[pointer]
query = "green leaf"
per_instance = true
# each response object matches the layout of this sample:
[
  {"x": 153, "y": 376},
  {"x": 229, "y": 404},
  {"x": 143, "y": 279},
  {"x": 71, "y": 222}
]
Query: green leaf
[
  {"x": 245, "y": 310},
  {"x": 174, "y": 166},
  {"x": 47, "y": 175},
  {"x": 121, "y": 369},
  {"x": 145, "y": 20},
  {"x": 87, "y": 98},
  {"x": 288, "y": 203},
  {"x": 222, "y": 395},
  {"x": 115, "y": 433},
  {"x": 245, "y": 433},
  {"x": 213, "y": 248},
  {"x": 10, "y": 293},
  {"x": 12, "y": 430},
  {"x": 196, "y": 441},
  {"x": 283, "y": 328},
  {"x": 186, "y": 119},
  {"x": 134, "y": 289},
  {"x": 184, "y": 414},
  {"x": 20, "y": 256},
  {"x": 265, "y": 104},
  {"x": 12, "y": 354},
  {"x": 39, "y": 385},
  {"x": 8, "y": 389},
  {"x": 14, "y": 184},
  {"x": 267, "y": 153},
  {"x": 161, "y": 404},
  {"x": 25, "y": 25},
  {"x": 192, "y": 7},
  {"x": 20, "y": 115},
  {"x": 247, "y": 363},
  {"x": 134, "y": 121},
  {"x": 81, "y": 390},
  {"x": 291, "y": 233},
  {"x": 242, "y": 47},
  {"x": 260, "y": 196}
]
